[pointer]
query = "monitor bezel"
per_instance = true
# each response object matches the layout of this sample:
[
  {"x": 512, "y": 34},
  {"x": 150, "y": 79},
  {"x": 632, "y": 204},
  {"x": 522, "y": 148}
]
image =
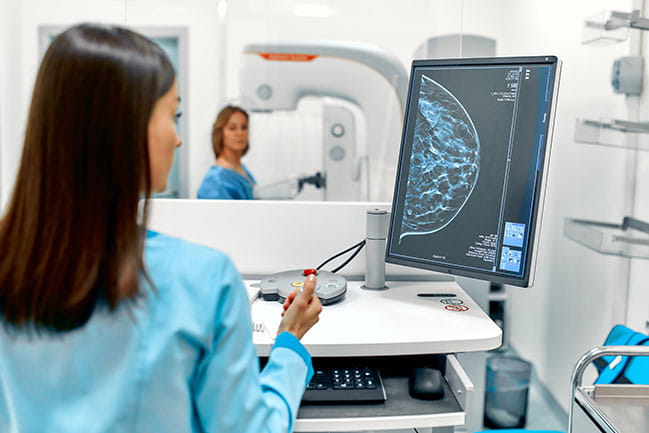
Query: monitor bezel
[{"x": 527, "y": 279}]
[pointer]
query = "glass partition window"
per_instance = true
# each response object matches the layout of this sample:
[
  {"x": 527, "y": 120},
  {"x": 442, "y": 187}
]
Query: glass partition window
[{"x": 334, "y": 109}]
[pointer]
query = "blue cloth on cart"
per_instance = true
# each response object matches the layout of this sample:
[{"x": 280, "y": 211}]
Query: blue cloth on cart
[{"x": 623, "y": 369}]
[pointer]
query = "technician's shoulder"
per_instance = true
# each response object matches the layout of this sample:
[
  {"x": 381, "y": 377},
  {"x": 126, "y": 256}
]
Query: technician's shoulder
[
  {"x": 193, "y": 285},
  {"x": 169, "y": 258}
]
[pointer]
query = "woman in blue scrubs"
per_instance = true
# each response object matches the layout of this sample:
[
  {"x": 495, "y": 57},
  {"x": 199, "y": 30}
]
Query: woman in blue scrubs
[
  {"x": 229, "y": 178},
  {"x": 105, "y": 326}
]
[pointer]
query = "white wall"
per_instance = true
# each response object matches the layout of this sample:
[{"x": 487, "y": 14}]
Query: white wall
[
  {"x": 10, "y": 71},
  {"x": 579, "y": 294},
  {"x": 4, "y": 12},
  {"x": 638, "y": 300}
]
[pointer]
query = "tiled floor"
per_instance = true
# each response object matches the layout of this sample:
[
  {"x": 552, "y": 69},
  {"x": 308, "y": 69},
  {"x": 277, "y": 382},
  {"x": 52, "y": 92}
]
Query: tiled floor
[{"x": 543, "y": 411}]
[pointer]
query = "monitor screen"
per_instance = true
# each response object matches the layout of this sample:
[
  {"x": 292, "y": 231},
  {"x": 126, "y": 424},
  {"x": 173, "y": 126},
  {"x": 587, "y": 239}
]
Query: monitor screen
[{"x": 472, "y": 165}]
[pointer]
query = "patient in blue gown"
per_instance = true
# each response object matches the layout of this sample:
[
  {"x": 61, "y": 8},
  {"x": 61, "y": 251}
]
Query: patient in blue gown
[{"x": 228, "y": 178}]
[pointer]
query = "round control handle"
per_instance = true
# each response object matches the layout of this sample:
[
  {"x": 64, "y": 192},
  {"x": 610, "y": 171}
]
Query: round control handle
[
  {"x": 308, "y": 272},
  {"x": 264, "y": 92}
]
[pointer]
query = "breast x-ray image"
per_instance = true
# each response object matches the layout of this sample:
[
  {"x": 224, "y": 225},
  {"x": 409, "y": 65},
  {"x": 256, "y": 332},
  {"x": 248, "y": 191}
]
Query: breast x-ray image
[{"x": 445, "y": 161}]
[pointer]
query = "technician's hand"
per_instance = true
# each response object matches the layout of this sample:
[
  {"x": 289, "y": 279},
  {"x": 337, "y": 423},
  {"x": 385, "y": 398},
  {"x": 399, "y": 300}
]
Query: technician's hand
[
  {"x": 289, "y": 300},
  {"x": 301, "y": 310}
]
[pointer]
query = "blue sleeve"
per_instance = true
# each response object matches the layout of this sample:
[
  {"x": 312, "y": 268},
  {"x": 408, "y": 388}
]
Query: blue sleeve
[
  {"x": 290, "y": 341},
  {"x": 231, "y": 394}
]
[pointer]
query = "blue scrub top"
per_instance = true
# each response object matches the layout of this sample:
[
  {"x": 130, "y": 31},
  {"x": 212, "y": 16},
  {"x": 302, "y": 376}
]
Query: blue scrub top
[
  {"x": 180, "y": 360},
  {"x": 224, "y": 183}
]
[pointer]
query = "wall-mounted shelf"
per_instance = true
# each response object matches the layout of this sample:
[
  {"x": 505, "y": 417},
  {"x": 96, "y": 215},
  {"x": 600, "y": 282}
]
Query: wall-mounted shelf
[
  {"x": 613, "y": 132},
  {"x": 629, "y": 239},
  {"x": 610, "y": 27}
]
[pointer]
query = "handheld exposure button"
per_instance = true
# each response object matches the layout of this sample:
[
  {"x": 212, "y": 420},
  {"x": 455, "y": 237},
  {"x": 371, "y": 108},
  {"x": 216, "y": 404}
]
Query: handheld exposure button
[{"x": 330, "y": 287}]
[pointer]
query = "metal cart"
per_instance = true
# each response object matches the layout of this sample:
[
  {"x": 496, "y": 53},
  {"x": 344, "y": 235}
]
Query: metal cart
[{"x": 608, "y": 408}]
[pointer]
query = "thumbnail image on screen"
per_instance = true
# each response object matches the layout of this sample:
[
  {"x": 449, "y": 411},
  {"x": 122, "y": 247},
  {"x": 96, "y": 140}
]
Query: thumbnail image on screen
[{"x": 471, "y": 166}]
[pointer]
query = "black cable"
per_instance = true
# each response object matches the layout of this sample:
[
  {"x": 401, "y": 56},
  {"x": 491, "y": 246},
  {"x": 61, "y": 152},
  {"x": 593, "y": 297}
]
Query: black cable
[
  {"x": 341, "y": 253},
  {"x": 358, "y": 250}
]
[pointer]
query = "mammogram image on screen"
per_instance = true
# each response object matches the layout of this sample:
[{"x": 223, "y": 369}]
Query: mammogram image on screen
[{"x": 444, "y": 163}]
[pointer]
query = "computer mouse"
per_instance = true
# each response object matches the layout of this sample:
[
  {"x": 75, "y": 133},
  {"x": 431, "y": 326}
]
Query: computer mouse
[{"x": 426, "y": 383}]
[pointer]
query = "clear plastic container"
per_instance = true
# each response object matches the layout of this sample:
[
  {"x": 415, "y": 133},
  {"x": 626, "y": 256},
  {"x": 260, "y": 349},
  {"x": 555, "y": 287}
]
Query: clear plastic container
[{"x": 508, "y": 382}]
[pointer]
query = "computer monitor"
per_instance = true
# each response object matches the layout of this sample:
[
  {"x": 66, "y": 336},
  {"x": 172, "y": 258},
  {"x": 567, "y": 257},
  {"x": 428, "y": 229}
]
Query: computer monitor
[{"x": 472, "y": 166}]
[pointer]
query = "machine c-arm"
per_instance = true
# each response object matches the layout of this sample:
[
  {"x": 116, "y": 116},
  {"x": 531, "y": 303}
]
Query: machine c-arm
[{"x": 276, "y": 76}]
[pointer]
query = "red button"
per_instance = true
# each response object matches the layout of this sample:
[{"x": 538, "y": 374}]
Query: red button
[{"x": 308, "y": 272}]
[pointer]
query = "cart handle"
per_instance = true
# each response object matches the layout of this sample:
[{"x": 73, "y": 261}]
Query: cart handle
[{"x": 590, "y": 356}]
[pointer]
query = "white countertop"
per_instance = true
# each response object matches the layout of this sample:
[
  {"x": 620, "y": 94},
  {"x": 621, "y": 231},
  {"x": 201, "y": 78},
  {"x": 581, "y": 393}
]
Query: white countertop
[{"x": 389, "y": 322}]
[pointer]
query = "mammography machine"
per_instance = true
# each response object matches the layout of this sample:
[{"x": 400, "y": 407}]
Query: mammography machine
[{"x": 365, "y": 89}]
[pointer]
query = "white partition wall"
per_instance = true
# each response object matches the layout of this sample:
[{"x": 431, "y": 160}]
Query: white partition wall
[{"x": 265, "y": 237}]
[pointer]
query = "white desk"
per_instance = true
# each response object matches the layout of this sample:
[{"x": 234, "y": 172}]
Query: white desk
[
  {"x": 391, "y": 323},
  {"x": 265, "y": 237}
]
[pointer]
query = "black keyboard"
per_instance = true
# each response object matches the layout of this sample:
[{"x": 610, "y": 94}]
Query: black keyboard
[{"x": 345, "y": 384}]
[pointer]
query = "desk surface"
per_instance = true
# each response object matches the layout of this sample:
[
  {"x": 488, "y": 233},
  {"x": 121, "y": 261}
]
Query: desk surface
[{"x": 389, "y": 322}]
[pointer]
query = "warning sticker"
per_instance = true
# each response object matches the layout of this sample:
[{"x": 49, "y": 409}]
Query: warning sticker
[
  {"x": 451, "y": 301},
  {"x": 458, "y": 308},
  {"x": 288, "y": 57}
]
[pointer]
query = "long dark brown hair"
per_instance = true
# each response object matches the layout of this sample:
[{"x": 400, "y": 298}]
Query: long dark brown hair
[
  {"x": 217, "y": 129},
  {"x": 71, "y": 238}
]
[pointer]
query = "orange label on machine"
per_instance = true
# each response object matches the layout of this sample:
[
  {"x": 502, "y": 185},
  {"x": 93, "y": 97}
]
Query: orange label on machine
[{"x": 288, "y": 57}]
